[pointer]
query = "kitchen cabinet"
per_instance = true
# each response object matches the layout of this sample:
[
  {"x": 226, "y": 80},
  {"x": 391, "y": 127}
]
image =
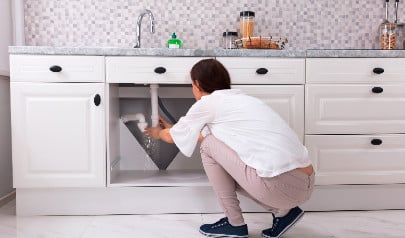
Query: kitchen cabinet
[
  {"x": 287, "y": 100},
  {"x": 71, "y": 146},
  {"x": 354, "y": 124},
  {"x": 58, "y": 129}
]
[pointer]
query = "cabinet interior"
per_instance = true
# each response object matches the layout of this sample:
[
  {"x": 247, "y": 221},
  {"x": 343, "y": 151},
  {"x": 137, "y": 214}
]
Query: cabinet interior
[{"x": 136, "y": 160}]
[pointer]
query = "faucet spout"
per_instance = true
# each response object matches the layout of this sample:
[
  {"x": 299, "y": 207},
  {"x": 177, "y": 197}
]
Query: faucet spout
[{"x": 139, "y": 23}]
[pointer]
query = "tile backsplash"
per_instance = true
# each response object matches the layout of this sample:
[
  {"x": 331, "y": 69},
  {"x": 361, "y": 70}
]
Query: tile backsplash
[{"x": 325, "y": 24}]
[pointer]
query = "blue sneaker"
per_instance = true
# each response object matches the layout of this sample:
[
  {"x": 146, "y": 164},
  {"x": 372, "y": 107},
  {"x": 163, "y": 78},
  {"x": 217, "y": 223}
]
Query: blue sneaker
[
  {"x": 222, "y": 228},
  {"x": 282, "y": 224}
]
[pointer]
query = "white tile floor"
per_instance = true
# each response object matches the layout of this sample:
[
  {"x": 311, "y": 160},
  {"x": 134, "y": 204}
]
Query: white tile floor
[{"x": 361, "y": 224}]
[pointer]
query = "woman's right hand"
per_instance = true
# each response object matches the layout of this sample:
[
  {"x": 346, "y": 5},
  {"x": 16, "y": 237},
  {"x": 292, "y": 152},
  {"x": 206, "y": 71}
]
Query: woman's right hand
[{"x": 164, "y": 124}]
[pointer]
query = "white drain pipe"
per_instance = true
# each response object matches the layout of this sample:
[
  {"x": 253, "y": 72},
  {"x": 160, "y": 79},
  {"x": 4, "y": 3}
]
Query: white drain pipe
[
  {"x": 154, "y": 104},
  {"x": 139, "y": 117}
]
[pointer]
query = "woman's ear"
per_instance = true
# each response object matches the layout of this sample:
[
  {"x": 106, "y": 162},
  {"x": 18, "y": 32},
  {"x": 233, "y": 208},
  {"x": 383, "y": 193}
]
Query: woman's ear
[{"x": 197, "y": 85}]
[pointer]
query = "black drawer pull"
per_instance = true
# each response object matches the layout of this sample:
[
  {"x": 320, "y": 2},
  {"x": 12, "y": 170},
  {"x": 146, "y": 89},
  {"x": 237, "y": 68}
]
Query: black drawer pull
[
  {"x": 378, "y": 70},
  {"x": 376, "y": 141},
  {"x": 160, "y": 70},
  {"x": 55, "y": 68},
  {"x": 262, "y": 71},
  {"x": 97, "y": 100},
  {"x": 377, "y": 89}
]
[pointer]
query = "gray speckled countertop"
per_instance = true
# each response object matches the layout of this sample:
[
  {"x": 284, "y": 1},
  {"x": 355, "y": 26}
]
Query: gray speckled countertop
[{"x": 165, "y": 52}]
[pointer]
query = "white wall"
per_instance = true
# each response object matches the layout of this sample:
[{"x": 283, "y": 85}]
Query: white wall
[
  {"x": 6, "y": 185},
  {"x": 5, "y": 35}
]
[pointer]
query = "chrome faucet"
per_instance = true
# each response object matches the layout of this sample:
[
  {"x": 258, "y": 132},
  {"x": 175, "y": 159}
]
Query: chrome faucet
[{"x": 138, "y": 26}]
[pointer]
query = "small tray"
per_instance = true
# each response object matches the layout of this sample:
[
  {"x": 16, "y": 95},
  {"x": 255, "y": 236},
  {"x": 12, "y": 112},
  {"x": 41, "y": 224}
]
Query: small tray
[{"x": 261, "y": 42}]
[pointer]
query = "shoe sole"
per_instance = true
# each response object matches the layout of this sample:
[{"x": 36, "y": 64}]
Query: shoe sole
[
  {"x": 287, "y": 228},
  {"x": 222, "y": 235}
]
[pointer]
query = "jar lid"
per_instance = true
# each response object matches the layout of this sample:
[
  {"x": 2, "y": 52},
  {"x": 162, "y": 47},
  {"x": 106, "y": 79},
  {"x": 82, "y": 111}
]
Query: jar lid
[
  {"x": 247, "y": 14},
  {"x": 230, "y": 33}
]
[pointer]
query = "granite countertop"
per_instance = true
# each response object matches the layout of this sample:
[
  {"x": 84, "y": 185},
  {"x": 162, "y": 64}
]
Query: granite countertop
[{"x": 165, "y": 52}]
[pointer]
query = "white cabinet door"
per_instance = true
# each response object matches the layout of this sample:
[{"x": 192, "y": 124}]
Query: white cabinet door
[
  {"x": 357, "y": 159},
  {"x": 354, "y": 109},
  {"x": 286, "y": 100},
  {"x": 58, "y": 134}
]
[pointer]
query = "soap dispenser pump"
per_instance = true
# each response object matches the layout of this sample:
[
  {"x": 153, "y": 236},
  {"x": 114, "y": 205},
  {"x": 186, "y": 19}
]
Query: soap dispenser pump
[{"x": 174, "y": 42}]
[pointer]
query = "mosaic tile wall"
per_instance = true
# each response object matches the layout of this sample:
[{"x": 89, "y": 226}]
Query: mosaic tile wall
[{"x": 325, "y": 24}]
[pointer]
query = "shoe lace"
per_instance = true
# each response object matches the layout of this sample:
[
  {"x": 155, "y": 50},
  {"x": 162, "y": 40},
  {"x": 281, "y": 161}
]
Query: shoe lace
[
  {"x": 221, "y": 222},
  {"x": 275, "y": 222}
]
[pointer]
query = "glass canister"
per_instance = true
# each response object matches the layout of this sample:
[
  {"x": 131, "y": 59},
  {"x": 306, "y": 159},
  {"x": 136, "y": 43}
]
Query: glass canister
[
  {"x": 401, "y": 36},
  {"x": 388, "y": 36},
  {"x": 228, "y": 39},
  {"x": 247, "y": 23}
]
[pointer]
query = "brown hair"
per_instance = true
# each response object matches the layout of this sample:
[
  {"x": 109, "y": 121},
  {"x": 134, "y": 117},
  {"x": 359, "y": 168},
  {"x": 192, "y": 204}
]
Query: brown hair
[{"x": 211, "y": 75}]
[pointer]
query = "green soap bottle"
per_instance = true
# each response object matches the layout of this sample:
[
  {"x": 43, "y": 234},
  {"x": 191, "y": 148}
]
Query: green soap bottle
[{"x": 174, "y": 42}]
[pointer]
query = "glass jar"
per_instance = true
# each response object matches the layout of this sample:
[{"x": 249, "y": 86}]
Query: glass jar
[
  {"x": 228, "y": 39},
  {"x": 388, "y": 36},
  {"x": 401, "y": 36},
  {"x": 247, "y": 23}
]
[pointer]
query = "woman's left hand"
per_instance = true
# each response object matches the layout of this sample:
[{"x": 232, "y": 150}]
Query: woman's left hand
[{"x": 153, "y": 132}]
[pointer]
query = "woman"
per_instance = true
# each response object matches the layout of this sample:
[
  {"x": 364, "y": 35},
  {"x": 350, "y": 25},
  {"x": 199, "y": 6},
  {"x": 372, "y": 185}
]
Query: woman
[{"x": 246, "y": 148}]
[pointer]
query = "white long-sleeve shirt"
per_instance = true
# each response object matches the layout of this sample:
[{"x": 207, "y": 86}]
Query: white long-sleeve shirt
[{"x": 261, "y": 138}]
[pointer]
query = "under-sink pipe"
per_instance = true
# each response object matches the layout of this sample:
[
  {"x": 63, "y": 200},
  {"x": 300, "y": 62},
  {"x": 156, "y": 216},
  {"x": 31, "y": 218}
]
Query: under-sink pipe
[
  {"x": 154, "y": 104},
  {"x": 139, "y": 117}
]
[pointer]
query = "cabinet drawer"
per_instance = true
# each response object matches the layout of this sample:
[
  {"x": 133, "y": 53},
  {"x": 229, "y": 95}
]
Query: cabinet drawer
[
  {"x": 354, "y": 109},
  {"x": 162, "y": 70},
  {"x": 355, "y": 70},
  {"x": 353, "y": 159},
  {"x": 38, "y": 68},
  {"x": 264, "y": 70}
]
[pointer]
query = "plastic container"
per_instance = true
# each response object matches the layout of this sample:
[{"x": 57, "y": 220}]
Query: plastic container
[
  {"x": 247, "y": 23},
  {"x": 388, "y": 36},
  {"x": 174, "y": 42},
  {"x": 228, "y": 39}
]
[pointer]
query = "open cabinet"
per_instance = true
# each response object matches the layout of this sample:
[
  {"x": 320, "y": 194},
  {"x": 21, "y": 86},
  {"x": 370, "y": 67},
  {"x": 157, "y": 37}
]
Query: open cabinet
[
  {"x": 133, "y": 160},
  {"x": 137, "y": 160}
]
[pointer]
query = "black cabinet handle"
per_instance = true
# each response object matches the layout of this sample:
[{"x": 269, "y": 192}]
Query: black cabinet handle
[
  {"x": 377, "y": 89},
  {"x": 97, "y": 100},
  {"x": 160, "y": 70},
  {"x": 376, "y": 141},
  {"x": 55, "y": 68},
  {"x": 378, "y": 70},
  {"x": 262, "y": 71}
]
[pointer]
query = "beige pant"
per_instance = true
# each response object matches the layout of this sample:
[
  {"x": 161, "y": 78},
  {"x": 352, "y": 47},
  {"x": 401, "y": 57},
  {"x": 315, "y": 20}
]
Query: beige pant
[{"x": 228, "y": 174}]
